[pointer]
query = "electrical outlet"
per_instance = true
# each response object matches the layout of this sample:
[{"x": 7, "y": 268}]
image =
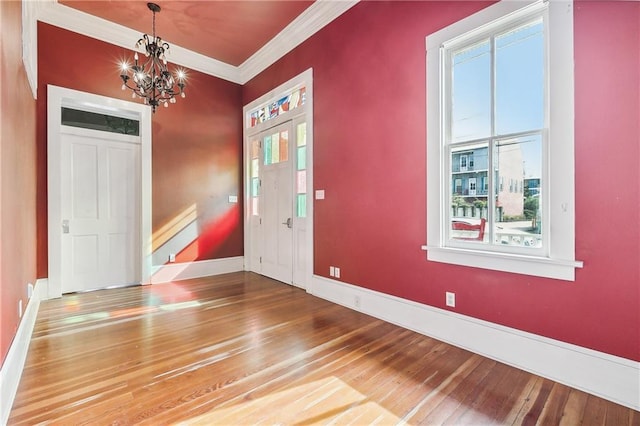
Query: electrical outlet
[
  {"x": 172, "y": 257},
  {"x": 332, "y": 271},
  {"x": 451, "y": 299},
  {"x": 337, "y": 272},
  {"x": 20, "y": 308},
  {"x": 29, "y": 290}
]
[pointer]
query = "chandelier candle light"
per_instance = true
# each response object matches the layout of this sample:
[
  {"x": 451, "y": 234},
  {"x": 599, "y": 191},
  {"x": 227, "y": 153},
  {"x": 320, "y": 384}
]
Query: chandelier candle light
[{"x": 152, "y": 80}]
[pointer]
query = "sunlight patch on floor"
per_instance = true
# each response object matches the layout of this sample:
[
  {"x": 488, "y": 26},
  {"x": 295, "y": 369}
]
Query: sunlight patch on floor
[{"x": 325, "y": 401}]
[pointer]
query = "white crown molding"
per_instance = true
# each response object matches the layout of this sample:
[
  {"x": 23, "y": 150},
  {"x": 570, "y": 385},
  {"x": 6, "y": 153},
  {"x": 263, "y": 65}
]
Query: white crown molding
[
  {"x": 30, "y": 44},
  {"x": 316, "y": 17},
  {"x": 91, "y": 26},
  {"x": 312, "y": 20}
]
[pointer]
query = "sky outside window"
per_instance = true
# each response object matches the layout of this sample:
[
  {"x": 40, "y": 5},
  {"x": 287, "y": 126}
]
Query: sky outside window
[{"x": 519, "y": 90}]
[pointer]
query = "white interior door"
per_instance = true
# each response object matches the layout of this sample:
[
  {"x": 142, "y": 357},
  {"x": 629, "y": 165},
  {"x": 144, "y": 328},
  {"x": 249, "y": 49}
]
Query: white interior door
[
  {"x": 277, "y": 204},
  {"x": 100, "y": 202}
]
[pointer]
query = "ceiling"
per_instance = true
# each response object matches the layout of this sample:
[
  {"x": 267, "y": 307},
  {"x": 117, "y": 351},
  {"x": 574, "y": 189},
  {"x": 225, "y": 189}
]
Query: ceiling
[{"x": 229, "y": 31}]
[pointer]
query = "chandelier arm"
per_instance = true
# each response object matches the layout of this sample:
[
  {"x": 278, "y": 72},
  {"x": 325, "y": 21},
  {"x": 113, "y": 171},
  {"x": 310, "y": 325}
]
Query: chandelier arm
[{"x": 134, "y": 89}]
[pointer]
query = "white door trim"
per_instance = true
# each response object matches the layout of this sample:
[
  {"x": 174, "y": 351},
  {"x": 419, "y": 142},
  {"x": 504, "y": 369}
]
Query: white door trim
[
  {"x": 56, "y": 98},
  {"x": 305, "y": 78}
]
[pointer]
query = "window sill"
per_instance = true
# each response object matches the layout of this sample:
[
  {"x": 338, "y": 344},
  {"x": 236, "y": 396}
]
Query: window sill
[{"x": 561, "y": 269}]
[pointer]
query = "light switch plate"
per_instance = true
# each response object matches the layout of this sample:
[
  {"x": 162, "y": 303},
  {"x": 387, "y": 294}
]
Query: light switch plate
[{"x": 319, "y": 194}]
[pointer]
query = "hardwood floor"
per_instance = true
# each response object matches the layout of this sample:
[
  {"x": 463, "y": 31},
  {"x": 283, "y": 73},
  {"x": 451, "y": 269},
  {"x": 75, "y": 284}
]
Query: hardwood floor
[{"x": 244, "y": 349}]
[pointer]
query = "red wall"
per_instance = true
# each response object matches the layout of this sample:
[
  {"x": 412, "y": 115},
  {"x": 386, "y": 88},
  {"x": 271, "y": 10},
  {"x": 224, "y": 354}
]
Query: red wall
[
  {"x": 17, "y": 177},
  {"x": 369, "y": 157},
  {"x": 197, "y": 142}
]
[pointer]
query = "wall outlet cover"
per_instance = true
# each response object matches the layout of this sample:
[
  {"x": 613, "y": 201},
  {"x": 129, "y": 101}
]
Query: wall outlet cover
[{"x": 451, "y": 299}]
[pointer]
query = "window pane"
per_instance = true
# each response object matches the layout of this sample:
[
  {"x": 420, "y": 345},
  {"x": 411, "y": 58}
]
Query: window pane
[
  {"x": 469, "y": 197},
  {"x": 518, "y": 215},
  {"x": 255, "y": 149},
  {"x": 520, "y": 79},
  {"x": 275, "y": 148},
  {"x": 284, "y": 145},
  {"x": 267, "y": 150},
  {"x": 302, "y": 158},
  {"x": 301, "y": 181},
  {"x": 283, "y": 105},
  {"x": 471, "y": 92},
  {"x": 301, "y": 205},
  {"x": 254, "y": 167},
  {"x": 102, "y": 122},
  {"x": 301, "y": 134},
  {"x": 255, "y": 187},
  {"x": 297, "y": 98}
]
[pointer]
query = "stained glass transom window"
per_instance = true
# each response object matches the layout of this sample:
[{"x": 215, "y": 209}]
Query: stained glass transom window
[{"x": 296, "y": 98}]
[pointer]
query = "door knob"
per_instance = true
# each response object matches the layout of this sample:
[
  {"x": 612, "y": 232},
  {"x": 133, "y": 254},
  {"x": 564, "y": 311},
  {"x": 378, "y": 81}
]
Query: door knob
[
  {"x": 289, "y": 223},
  {"x": 65, "y": 226}
]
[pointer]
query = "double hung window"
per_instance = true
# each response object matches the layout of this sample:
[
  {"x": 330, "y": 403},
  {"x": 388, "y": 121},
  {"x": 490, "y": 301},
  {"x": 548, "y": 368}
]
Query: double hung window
[{"x": 500, "y": 116}]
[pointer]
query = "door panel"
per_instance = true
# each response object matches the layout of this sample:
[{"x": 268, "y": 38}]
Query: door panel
[
  {"x": 277, "y": 205},
  {"x": 100, "y": 195}
]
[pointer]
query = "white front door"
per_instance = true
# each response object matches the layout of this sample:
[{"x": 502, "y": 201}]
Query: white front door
[
  {"x": 278, "y": 136},
  {"x": 277, "y": 203},
  {"x": 100, "y": 206}
]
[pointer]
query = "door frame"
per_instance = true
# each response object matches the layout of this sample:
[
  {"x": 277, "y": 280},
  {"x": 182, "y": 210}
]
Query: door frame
[
  {"x": 305, "y": 78},
  {"x": 57, "y": 97}
]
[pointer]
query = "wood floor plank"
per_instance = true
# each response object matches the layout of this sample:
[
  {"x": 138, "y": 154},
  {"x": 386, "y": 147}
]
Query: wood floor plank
[{"x": 243, "y": 349}]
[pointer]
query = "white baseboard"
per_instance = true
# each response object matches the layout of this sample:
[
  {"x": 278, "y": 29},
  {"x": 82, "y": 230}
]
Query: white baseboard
[
  {"x": 14, "y": 362},
  {"x": 607, "y": 376},
  {"x": 203, "y": 268}
]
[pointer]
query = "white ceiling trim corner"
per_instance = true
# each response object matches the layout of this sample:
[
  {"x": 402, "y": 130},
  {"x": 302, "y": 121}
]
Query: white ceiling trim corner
[{"x": 314, "y": 18}]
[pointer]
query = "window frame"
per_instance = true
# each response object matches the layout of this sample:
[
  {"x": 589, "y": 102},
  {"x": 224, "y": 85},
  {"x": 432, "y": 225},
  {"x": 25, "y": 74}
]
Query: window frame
[{"x": 558, "y": 259}]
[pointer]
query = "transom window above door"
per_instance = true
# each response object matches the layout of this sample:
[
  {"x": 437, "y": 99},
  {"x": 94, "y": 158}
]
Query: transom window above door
[{"x": 287, "y": 102}]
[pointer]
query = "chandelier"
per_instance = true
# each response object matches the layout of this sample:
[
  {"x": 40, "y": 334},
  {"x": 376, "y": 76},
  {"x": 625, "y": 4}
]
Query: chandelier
[{"x": 151, "y": 79}]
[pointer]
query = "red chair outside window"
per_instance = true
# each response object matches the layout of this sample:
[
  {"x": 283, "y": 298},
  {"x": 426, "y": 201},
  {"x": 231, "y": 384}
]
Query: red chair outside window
[{"x": 458, "y": 225}]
